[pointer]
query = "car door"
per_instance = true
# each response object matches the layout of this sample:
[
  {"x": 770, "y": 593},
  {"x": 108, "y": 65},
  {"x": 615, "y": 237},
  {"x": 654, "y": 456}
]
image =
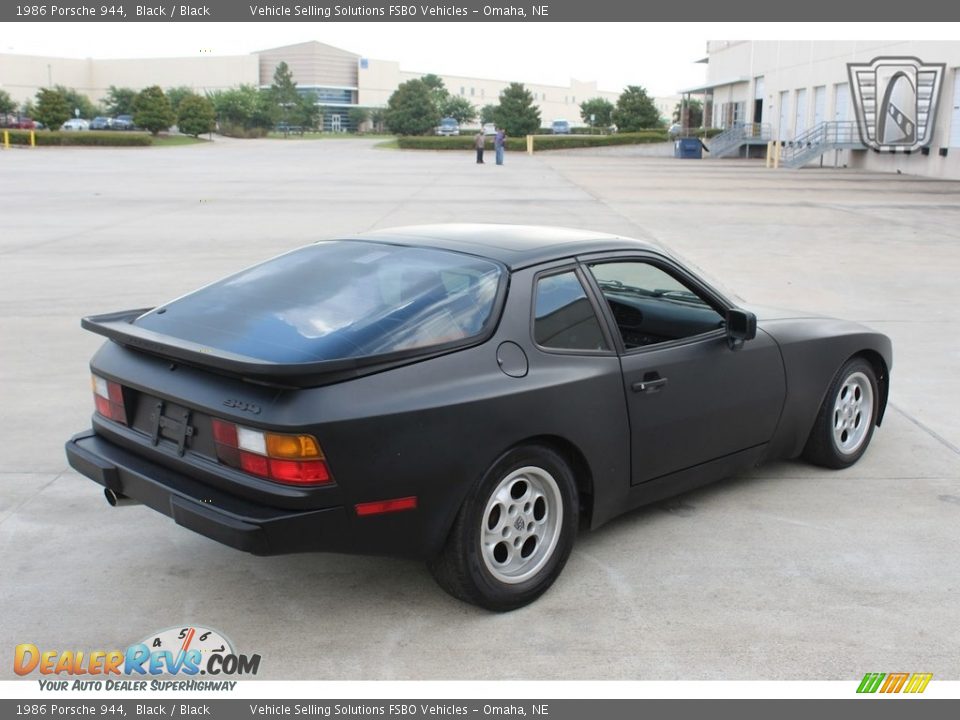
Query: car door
[{"x": 692, "y": 397}]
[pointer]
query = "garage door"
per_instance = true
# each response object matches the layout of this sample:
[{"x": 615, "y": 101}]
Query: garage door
[
  {"x": 800, "y": 125},
  {"x": 840, "y": 101},
  {"x": 819, "y": 104},
  {"x": 783, "y": 129}
]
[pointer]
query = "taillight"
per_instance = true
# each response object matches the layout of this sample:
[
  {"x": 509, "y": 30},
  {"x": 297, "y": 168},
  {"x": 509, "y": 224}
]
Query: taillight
[
  {"x": 290, "y": 459},
  {"x": 108, "y": 397}
]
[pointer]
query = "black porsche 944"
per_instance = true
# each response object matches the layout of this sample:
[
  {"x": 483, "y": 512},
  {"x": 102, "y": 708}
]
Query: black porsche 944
[{"x": 467, "y": 394}]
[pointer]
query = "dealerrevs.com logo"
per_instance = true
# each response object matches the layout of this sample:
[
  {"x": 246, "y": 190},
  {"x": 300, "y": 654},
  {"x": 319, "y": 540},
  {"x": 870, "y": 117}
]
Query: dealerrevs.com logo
[
  {"x": 891, "y": 683},
  {"x": 896, "y": 100},
  {"x": 182, "y": 651}
]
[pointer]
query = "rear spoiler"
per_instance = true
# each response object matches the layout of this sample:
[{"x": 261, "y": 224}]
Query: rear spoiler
[{"x": 119, "y": 328}]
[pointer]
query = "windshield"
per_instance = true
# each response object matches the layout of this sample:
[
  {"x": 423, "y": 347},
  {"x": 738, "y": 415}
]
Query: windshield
[{"x": 337, "y": 300}]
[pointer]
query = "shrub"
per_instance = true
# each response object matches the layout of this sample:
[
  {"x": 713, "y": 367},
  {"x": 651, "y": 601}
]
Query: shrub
[
  {"x": 105, "y": 139},
  {"x": 541, "y": 142}
]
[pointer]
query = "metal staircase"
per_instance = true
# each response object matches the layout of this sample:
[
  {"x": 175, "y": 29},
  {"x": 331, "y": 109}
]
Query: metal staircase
[
  {"x": 731, "y": 140},
  {"x": 834, "y": 135}
]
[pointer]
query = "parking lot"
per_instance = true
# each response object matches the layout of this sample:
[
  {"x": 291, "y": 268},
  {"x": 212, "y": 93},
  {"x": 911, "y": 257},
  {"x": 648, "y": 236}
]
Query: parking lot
[{"x": 788, "y": 573}]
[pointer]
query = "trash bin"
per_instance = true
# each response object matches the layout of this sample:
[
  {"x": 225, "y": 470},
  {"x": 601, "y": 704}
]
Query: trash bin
[{"x": 688, "y": 147}]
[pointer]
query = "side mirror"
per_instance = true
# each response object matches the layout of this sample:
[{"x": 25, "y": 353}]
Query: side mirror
[{"x": 741, "y": 326}]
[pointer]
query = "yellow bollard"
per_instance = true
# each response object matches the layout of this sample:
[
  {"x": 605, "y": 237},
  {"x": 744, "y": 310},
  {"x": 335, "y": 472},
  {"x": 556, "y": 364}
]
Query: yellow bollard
[
  {"x": 769, "y": 153},
  {"x": 529, "y": 144},
  {"x": 776, "y": 154},
  {"x": 33, "y": 138},
  {"x": 6, "y": 139}
]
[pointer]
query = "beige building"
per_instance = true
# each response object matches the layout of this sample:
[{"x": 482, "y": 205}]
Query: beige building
[
  {"x": 799, "y": 92},
  {"x": 338, "y": 78}
]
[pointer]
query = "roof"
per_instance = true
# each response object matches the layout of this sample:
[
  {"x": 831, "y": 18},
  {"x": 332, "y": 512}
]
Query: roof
[
  {"x": 516, "y": 246},
  {"x": 713, "y": 85}
]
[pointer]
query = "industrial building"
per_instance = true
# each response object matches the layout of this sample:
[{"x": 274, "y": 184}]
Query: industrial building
[{"x": 800, "y": 93}]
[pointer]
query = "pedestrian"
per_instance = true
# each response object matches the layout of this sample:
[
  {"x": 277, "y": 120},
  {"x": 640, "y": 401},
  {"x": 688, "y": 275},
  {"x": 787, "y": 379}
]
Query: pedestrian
[
  {"x": 498, "y": 141},
  {"x": 478, "y": 142}
]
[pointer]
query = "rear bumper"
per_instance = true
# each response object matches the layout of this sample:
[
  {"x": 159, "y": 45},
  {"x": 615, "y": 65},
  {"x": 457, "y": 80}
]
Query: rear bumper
[{"x": 230, "y": 520}]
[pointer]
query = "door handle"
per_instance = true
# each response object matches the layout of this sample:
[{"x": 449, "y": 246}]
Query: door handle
[{"x": 647, "y": 386}]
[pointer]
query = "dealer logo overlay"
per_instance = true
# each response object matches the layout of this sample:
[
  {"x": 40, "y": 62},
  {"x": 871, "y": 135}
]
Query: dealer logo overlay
[
  {"x": 896, "y": 99},
  {"x": 894, "y": 682}
]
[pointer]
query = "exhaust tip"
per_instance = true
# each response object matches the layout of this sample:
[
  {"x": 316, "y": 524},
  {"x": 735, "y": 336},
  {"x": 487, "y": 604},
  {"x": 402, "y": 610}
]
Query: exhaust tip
[{"x": 115, "y": 499}]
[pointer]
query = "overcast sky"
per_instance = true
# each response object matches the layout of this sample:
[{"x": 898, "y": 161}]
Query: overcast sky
[{"x": 659, "y": 56}]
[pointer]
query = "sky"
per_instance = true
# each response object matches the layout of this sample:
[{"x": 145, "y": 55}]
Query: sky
[{"x": 659, "y": 56}]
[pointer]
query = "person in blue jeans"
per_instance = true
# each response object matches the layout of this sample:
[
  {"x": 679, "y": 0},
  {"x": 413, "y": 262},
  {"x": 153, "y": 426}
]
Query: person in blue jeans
[{"x": 498, "y": 142}]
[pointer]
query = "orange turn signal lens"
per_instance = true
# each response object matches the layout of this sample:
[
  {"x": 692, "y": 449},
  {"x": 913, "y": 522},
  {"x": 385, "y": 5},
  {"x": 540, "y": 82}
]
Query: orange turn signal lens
[{"x": 292, "y": 446}]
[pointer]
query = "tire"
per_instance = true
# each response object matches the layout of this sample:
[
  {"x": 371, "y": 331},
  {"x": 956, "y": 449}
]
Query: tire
[
  {"x": 847, "y": 417},
  {"x": 514, "y": 532}
]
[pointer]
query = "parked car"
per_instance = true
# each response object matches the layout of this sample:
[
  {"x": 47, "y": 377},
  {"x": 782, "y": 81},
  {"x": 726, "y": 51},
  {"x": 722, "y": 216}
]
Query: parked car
[
  {"x": 560, "y": 127},
  {"x": 489, "y": 129},
  {"x": 19, "y": 122},
  {"x": 466, "y": 394},
  {"x": 123, "y": 122},
  {"x": 448, "y": 126},
  {"x": 75, "y": 124},
  {"x": 101, "y": 123}
]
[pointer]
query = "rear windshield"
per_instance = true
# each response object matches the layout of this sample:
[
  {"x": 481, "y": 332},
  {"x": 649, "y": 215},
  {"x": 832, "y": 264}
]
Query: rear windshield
[{"x": 337, "y": 300}]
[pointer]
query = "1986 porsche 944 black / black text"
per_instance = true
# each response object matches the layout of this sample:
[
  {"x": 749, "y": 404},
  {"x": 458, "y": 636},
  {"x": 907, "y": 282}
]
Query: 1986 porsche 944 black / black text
[{"x": 467, "y": 394}]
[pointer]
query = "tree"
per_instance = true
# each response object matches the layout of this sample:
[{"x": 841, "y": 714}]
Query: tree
[
  {"x": 358, "y": 116},
  {"x": 516, "y": 112},
  {"x": 459, "y": 108},
  {"x": 283, "y": 93},
  {"x": 119, "y": 101},
  {"x": 7, "y": 104},
  {"x": 307, "y": 113},
  {"x": 78, "y": 101},
  {"x": 597, "y": 112},
  {"x": 152, "y": 111},
  {"x": 377, "y": 118},
  {"x": 52, "y": 108},
  {"x": 438, "y": 91},
  {"x": 635, "y": 110},
  {"x": 694, "y": 113},
  {"x": 243, "y": 111},
  {"x": 196, "y": 115},
  {"x": 411, "y": 110},
  {"x": 488, "y": 113},
  {"x": 177, "y": 95}
]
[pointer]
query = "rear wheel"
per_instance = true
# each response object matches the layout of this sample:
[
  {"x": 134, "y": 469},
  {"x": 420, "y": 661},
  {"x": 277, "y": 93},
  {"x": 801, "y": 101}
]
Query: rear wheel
[
  {"x": 844, "y": 426},
  {"x": 514, "y": 532}
]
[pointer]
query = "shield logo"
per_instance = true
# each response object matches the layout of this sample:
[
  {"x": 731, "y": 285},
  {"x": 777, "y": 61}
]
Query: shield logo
[{"x": 896, "y": 100}]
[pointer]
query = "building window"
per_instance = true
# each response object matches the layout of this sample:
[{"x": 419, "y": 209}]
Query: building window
[
  {"x": 463, "y": 90},
  {"x": 472, "y": 93}
]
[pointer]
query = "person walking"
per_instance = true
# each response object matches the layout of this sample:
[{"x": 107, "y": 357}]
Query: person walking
[
  {"x": 498, "y": 142},
  {"x": 478, "y": 142}
]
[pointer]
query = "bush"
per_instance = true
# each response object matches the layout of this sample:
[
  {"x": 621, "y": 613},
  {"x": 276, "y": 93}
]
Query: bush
[
  {"x": 105, "y": 139},
  {"x": 541, "y": 142},
  {"x": 237, "y": 130}
]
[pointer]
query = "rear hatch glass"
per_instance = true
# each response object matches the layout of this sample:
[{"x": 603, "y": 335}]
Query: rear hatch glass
[{"x": 338, "y": 300}]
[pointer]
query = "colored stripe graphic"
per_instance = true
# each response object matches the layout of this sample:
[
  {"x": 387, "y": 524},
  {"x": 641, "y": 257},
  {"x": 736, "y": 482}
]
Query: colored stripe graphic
[
  {"x": 870, "y": 682},
  {"x": 918, "y": 682},
  {"x": 894, "y": 682}
]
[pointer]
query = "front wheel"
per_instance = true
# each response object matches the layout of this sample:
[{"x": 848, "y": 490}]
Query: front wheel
[
  {"x": 513, "y": 533},
  {"x": 844, "y": 425}
]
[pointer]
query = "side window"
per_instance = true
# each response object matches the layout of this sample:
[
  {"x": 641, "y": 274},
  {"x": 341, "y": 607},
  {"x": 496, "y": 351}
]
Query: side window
[
  {"x": 651, "y": 306},
  {"x": 564, "y": 318}
]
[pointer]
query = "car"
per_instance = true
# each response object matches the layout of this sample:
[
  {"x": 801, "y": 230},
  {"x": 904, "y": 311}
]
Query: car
[
  {"x": 19, "y": 122},
  {"x": 123, "y": 122},
  {"x": 101, "y": 123},
  {"x": 489, "y": 129},
  {"x": 469, "y": 395},
  {"x": 75, "y": 124},
  {"x": 560, "y": 127},
  {"x": 448, "y": 126}
]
